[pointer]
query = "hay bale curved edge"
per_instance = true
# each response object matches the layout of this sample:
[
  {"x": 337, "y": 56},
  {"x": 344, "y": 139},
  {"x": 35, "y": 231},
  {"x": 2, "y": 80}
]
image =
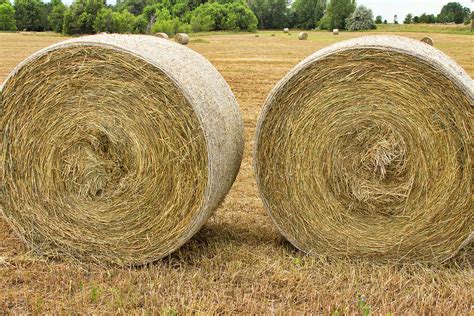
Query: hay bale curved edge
[
  {"x": 361, "y": 153},
  {"x": 112, "y": 154}
]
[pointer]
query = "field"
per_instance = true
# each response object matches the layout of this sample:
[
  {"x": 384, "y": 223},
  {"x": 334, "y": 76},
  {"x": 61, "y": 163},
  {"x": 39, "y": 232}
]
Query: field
[{"x": 238, "y": 263}]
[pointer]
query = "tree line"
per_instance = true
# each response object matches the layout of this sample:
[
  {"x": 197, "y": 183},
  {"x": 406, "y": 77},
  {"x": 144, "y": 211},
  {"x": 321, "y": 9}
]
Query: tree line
[{"x": 172, "y": 16}]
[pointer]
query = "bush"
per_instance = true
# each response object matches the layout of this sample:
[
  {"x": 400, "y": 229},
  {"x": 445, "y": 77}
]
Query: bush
[
  {"x": 7, "y": 17},
  {"x": 201, "y": 23},
  {"x": 80, "y": 17},
  {"x": 361, "y": 19},
  {"x": 170, "y": 27},
  {"x": 378, "y": 19},
  {"x": 336, "y": 14}
]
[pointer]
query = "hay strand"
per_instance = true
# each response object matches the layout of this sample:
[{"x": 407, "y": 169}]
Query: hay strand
[
  {"x": 363, "y": 150},
  {"x": 112, "y": 154},
  {"x": 427, "y": 40}
]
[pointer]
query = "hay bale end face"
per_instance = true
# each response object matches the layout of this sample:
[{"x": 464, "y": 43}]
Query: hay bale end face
[
  {"x": 182, "y": 38},
  {"x": 335, "y": 32},
  {"x": 427, "y": 40},
  {"x": 112, "y": 154},
  {"x": 286, "y": 30},
  {"x": 302, "y": 36},
  {"x": 354, "y": 158},
  {"x": 162, "y": 35}
]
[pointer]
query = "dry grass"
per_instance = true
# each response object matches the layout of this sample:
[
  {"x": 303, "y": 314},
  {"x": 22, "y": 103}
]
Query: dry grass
[
  {"x": 238, "y": 262},
  {"x": 364, "y": 152}
]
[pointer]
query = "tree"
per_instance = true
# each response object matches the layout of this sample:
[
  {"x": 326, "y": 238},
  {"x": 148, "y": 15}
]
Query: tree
[
  {"x": 452, "y": 12},
  {"x": 307, "y": 13},
  {"x": 7, "y": 17},
  {"x": 336, "y": 14},
  {"x": 31, "y": 15},
  {"x": 378, "y": 19},
  {"x": 385, "y": 22},
  {"x": 408, "y": 19},
  {"x": 361, "y": 19},
  {"x": 271, "y": 14},
  {"x": 56, "y": 16},
  {"x": 80, "y": 17},
  {"x": 395, "y": 19},
  {"x": 416, "y": 19}
]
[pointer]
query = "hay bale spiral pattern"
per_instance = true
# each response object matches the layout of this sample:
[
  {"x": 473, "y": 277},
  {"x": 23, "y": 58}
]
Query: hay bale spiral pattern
[
  {"x": 363, "y": 150},
  {"x": 112, "y": 154},
  {"x": 303, "y": 36}
]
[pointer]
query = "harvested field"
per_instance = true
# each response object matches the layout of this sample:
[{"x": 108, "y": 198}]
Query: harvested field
[{"x": 238, "y": 263}]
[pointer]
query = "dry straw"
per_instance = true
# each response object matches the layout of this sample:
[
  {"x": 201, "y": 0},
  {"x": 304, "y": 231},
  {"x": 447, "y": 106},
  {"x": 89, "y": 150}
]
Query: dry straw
[
  {"x": 303, "y": 36},
  {"x": 363, "y": 150},
  {"x": 162, "y": 35},
  {"x": 428, "y": 40},
  {"x": 112, "y": 153},
  {"x": 182, "y": 38}
]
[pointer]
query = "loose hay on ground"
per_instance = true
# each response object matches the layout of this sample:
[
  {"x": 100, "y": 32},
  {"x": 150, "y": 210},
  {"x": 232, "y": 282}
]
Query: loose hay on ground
[
  {"x": 363, "y": 150},
  {"x": 111, "y": 152}
]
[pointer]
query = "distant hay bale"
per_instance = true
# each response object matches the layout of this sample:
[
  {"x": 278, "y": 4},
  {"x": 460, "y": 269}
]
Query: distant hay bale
[
  {"x": 428, "y": 40},
  {"x": 256, "y": 35},
  {"x": 363, "y": 150},
  {"x": 303, "y": 36},
  {"x": 162, "y": 35},
  {"x": 335, "y": 32},
  {"x": 286, "y": 30},
  {"x": 116, "y": 148},
  {"x": 273, "y": 34},
  {"x": 182, "y": 38}
]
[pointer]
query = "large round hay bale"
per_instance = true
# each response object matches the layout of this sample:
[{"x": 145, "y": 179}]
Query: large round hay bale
[
  {"x": 182, "y": 38},
  {"x": 363, "y": 150},
  {"x": 286, "y": 30},
  {"x": 162, "y": 35},
  {"x": 335, "y": 32},
  {"x": 303, "y": 36},
  {"x": 427, "y": 40},
  {"x": 112, "y": 153}
]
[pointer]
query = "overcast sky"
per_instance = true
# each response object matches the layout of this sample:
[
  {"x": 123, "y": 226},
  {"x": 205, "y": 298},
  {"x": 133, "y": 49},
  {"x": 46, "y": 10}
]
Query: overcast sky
[{"x": 388, "y": 8}]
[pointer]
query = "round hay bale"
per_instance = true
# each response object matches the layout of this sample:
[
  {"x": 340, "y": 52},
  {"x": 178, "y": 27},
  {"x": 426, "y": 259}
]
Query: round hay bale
[
  {"x": 363, "y": 150},
  {"x": 335, "y": 32},
  {"x": 428, "y": 40},
  {"x": 162, "y": 35},
  {"x": 286, "y": 30},
  {"x": 182, "y": 38},
  {"x": 302, "y": 36},
  {"x": 112, "y": 154},
  {"x": 273, "y": 34},
  {"x": 256, "y": 35}
]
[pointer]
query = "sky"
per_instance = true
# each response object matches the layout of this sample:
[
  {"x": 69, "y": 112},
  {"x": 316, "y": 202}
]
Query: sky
[{"x": 388, "y": 8}]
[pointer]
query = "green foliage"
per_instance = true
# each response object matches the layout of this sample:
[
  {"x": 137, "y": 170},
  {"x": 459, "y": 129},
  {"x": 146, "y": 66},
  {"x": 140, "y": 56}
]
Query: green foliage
[
  {"x": 307, "y": 13},
  {"x": 170, "y": 27},
  {"x": 201, "y": 23},
  {"x": 232, "y": 16},
  {"x": 408, "y": 19},
  {"x": 271, "y": 14},
  {"x": 114, "y": 22},
  {"x": 361, "y": 19},
  {"x": 363, "y": 306},
  {"x": 133, "y": 6},
  {"x": 31, "y": 15},
  {"x": 416, "y": 19},
  {"x": 80, "y": 17},
  {"x": 425, "y": 18},
  {"x": 56, "y": 16},
  {"x": 378, "y": 19},
  {"x": 7, "y": 17},
  {"x": 453, "y": 12},
  {"x": 336, "y": 14},
  {"x": 385, "y": 22}
]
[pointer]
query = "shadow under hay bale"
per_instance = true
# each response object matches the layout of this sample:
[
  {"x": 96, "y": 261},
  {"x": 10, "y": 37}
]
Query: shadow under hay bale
[
  {"x": 363, "y": 150},
  {"x": 112, "y": 153}
]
